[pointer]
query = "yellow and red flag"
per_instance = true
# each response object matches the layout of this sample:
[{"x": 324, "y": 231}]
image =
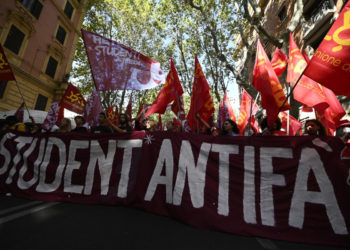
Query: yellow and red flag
[
  {"x": 307, "y": 91},
  {"x": 73, "y": 100},
  {"x": 201, "y": 101},
  {"x": 110, "y": 113},
  {"x": 169, "y": 92},
  {"x": 266, "y": 82},
  {"x": 279, "y": 62},
  {"x": 5, "y": 69},
  {"x": 294, "y": 124},
  {"x": 330, "y": 65},
  {"x": 244, "y": 113}
]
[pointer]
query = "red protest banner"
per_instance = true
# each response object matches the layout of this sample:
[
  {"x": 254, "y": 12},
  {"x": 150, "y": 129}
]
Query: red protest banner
[
  {"x": 115, "y": 66},
  {"x": 286, "y": 188}
]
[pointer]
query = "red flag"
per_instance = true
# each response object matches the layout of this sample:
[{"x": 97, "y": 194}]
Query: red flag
[
  {"x": 20, "y": 113},
  {"x": 169, "y": 92},
  {"x": 178, "y": 108},
  {"x": 254, "y": 124},
  {"x": 229, "y": 107},
  {"x": 330, "y": 64},
  {"x": 5, "y": 69},
  {"x": 159, "y": 125},
  {"x": 110, "y": 113},
  {"x": 73, "y": 100},
  {"x": 201, "y": 101},
  {"x": 115, "y": 66},
  {"x": 51, "y": 117},
  {"x": 279, "y": 62},
  {"x": 128, "y": 110},
  {"x": 244, "y": 113},
  {"x": 306, "y": 57},
  {"x": 307, "y": 91},
  {"x": 266, "y": 82},
  {"x": 93, "y": 108},
  {"x": 294, "y": 124}
]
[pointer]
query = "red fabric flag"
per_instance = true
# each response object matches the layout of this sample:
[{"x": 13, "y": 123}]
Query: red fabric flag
[
  {"x": 115, "y": 66},
  {"x": 229, "y": 108},
  {"x": 307, "y": 91},
  {"x": 110, "y": 113},
  {"x": 279, "y": 62},
  {"x": 5, "y": 69},
  {"x": 51, "y": 117},
  {"x": 330, "y": 64},
  {"x": 169, "y": 92},
  {"x": 254, "y": 124},
  {"x": 73, "y": 100},
  {"x": 160, "y": 124},
  {"x": 306, "y": 57},
  {"x": 93, "y": 108},
  {"x": 201, "y": 101},
  {"x": 178, "y": 108},
  {"x": 266, "y": 82},
  {"x": 244, "y": 113},
  {"x": 20, "y": 113},
  {"x": 294, "y": 124}
]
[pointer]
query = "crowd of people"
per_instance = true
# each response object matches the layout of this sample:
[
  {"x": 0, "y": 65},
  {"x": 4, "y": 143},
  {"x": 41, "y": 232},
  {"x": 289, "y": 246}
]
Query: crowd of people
[{"x": 312, "y": 127}]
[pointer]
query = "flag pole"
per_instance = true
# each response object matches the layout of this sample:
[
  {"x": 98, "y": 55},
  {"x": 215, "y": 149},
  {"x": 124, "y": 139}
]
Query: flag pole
[
  {"x": 251, "y": 110},
  {"x": 20, "y": 92},
  {"x": 288, "y": 113}
]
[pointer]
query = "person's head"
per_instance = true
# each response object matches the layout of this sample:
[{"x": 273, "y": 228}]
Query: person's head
[
  {"x": 151, "y": 125},
  {"x": 11, "y": 120},
  {"x": 79, "y": 121},
  {"x": 170, "y": 126},
  {"x": 277, "y": 125},
  {"x": 102, "y": 119},
  {"x": 229, "y": 126},
  {"x": 123, "y": 119},
  {"x": 66, "y": 125},
  {"x": 314, "y": 127}
]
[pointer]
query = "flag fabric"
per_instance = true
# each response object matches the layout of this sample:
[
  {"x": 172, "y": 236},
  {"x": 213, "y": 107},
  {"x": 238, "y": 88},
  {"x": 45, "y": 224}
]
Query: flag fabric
[
  {"x": 93, "y": 108},
  {"x": 244, "y": 113},
  {"x": 115, "y": 66},
  {"x": 20, "y": 113},
  {"x": 51, "y": 117},
  {"x": 294, "y": 124},
  {"x": 201, "y": 101},
  {"x": 330, "y": 64},
  {"x": 178, "y": 108},
  {"x": 6, "y": 73},
  {"x": 266, "y": 82},
  {"x": 128, "y": 110},
  {"x": 306, "y": 57},
  {"x": 110, "y": 113},
  {"x": 279, "y": 62},
  {"x": 73, "y": 100},
  {"x": 307, "y": 92},
  {"x": 254, "y": 125},
  {"x": 169, "y": 92},
  {"x": 229, "y": 108}
]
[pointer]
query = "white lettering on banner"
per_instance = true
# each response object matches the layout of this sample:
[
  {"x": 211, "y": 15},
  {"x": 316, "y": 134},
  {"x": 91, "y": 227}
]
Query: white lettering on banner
[
  {"x": 127, "y": 145},
  {"x": 5, "y": 153},
  {"x": 22, "y": 141},
  {"x": 21, "y": 183},
  {"x": 249, "y": 209},
  {"x": 46, "y": 187},
  {"x": 104, "y": 163},
  {"x": 26, "y": 154},
  {"x": 268, "y": 179},
  {"x": 311, "y": 161},
  {"x": 224, "y": 175},
  {"x": 165, "y": 157},
  {"x": 72, "y": 165},
  {"x": 196, "y": 174}
]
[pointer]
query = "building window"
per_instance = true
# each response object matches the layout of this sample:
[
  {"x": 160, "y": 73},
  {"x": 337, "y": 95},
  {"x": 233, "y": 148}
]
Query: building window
[
  {"x": 33, "y": 6},
  {"x": 283, "y": 14},
  {"x": 14, "y": 39},
  {"x": 41, "y": 102},
  {"x": 68, "y": 9},
  {"x": 51, "y": 67},
  {"x": 3, "y": 85},
  {"x": 61, "y": 34}
]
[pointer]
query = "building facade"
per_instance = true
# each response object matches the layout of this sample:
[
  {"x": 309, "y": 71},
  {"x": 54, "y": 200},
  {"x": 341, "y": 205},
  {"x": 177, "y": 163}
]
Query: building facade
[{"x": 39, "y": 39}]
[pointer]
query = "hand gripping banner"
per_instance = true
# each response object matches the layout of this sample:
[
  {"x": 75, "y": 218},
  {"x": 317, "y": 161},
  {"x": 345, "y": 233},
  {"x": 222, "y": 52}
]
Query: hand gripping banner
[{"x": 286, "y": 188}]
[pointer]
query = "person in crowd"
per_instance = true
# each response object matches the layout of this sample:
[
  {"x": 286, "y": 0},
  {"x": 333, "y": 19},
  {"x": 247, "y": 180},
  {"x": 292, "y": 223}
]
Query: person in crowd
[
  {"x": 274, "y": 129},
  {"x": 229, "y": 128},
  {"x": 124, "y": 126},
  {"x": 104, "y": 124},
  {"x": 139, "y": 126},
  {"x": 248, "y": 131},
  {"x": 314, "y": 127},
  {"x": 79, "y": 122},
  {"x": 66, "y": 125},
  {"x": 151, "y": 125},
  {"x": 13, "y": 124}
]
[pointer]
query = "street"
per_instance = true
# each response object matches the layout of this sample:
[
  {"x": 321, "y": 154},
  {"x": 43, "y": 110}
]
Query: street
[{"x": 28, "y": 224}]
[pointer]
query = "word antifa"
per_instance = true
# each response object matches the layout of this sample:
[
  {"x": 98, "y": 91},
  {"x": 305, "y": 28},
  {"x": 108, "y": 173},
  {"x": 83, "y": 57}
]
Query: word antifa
[{"x": 189, "y": 169}]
